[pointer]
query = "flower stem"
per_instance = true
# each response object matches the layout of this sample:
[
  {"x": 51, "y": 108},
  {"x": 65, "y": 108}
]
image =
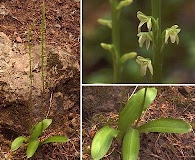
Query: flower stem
[
  {"x": 43, "y": 51},
  {"x": 115, "y": 40},
  {"x": 156, "y": 11},
  {"x": 157, "y": 42},
  {"x": 143, "y": 103},
  {"x": 30, "y": 75}
]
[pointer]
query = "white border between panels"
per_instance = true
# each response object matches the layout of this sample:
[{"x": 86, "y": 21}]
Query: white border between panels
[
  {"x": 83, "y": 85},
  {"x": 81, "y": 56}
]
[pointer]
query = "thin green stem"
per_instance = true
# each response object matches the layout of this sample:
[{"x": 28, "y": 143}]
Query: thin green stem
[
  {"x": 143, "y": 102},
  {"x": 43, "y": 51},
  {"x": 157, "y": 43},
  {"x": 30, "y": 75},
  {"x": 122, "y": 98},
  {"x": 42, "y": 59},
  {"x": 115, "y": 39},
  {"x": 156, "y": 11}
]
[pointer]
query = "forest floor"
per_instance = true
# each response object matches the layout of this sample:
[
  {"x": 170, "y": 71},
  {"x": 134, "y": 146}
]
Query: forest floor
[
  {"x": 61, "y": 99},
  {"x": 101, "y": 106}
]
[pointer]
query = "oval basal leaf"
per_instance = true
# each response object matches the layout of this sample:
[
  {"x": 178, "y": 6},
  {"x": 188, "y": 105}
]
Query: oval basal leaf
[
  {"x": 166, "y": 125},
  {"x": 102, "y": 141}
]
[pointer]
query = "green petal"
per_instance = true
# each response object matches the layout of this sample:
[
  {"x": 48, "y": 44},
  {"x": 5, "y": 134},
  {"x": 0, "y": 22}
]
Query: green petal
[
  {"x": 143, "y": 69},
  {"x": 150, "y": 67},
  {"x": 177, "y": 39},
  {"x": 141, "y": 40},
  {"x": 142, "y": 17},
  {"x": 149, "y": 24},
  {"x": 166, "y": 36},
  {"x": 173, "y": 38},
  {"x": 147, "y": 44}
]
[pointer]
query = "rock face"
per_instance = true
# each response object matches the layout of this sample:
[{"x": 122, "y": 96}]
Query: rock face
[{"x": 61, "y": 77}]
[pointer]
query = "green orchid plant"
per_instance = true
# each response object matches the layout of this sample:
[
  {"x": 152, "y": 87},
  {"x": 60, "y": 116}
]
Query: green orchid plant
[
  {"x": 129, "y": 130},
  {"x": 33, "y": 141},
  {"x": 154, "y": 36}
]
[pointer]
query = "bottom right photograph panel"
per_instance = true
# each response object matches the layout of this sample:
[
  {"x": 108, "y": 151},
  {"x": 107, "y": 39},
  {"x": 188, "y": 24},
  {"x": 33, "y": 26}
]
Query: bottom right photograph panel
[{"x": 138, "y": 122}]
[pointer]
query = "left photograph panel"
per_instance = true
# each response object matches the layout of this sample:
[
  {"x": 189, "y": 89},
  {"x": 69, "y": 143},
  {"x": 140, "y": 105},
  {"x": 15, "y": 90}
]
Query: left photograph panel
[{"x": 40, "y": 79}]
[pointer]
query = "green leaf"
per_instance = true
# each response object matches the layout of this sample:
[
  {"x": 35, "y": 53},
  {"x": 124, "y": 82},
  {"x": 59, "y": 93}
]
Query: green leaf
[
  {"x": 127, "y": 56},
  {"x": 31, "y": 148},
  {"x": 134, "y": 108},
  {"x": 55, "y": 138},
  {"x": 166, "y": 125},
  {"x": 102, "y": 141},
  {"x": 39, "y": 128},
  {"x": 17, "y": 142},
  {"x": 131, "y": 144}
]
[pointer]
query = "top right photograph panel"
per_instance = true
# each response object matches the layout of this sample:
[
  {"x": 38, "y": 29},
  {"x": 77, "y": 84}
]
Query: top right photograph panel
[{"x": 138, "y": 42}]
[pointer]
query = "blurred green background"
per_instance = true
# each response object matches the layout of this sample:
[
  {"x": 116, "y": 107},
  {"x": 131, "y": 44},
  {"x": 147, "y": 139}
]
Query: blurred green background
[{"x": 179, "y": 60}]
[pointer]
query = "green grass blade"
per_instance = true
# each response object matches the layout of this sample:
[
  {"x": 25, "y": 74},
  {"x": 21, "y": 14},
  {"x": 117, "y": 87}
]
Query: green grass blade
[
  {"x": 55, "y": 138},
  {"x": 165, "y": 125},
  {"x": 17, "y": 142},
  {"x": 134, "y": 108},
  {"x": 131, "y": 144},
  {"x": 31, "y": 148},
  {"x": 102, "y": 141}
]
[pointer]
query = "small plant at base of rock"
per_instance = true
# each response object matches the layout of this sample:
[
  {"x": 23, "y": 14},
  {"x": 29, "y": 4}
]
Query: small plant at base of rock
[
  {"x": 130, "y": 135},
  {"x": 33, "y": 141}
]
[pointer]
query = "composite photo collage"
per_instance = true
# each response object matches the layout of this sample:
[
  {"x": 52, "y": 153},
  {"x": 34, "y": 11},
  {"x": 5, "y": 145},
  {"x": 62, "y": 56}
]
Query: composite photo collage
[{"x": 97, "y": 80}]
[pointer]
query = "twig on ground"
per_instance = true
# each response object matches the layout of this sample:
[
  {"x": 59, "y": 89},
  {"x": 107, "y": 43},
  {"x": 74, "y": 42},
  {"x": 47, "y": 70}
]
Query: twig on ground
[
  {"x": 50, "y": 100},
  {"x": 156, "y": 156}
]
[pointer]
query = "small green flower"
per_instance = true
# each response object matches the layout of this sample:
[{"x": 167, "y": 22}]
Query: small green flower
[
  {"x": 144, "y": 19},
  {"x": 173, "y": 34},
  {"x": 144, "y": 37},
  {"x": 105, "y": 22},
  {"x": 144, "y": 63},
  {"x": 108, "y": 47}
]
